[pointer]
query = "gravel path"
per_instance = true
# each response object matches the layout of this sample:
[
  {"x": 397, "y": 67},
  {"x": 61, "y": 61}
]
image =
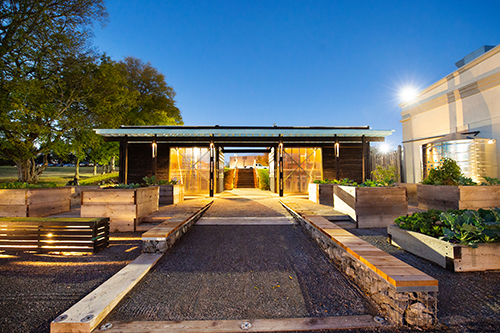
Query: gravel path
[
  {"x": 36, "y": 288},
  {"x": 242, "y": 271}
]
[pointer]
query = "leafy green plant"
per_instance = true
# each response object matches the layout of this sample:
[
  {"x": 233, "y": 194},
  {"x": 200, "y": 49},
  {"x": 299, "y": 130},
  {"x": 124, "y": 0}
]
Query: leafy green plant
[
  {"x": 471, "y": 228},
  {"x": 126, "y": 186},
  {"x": 448, "y": 173},
  {"x": 467, "y": 227},
  {"x": 426, "y": 223},
  {"x": 343, "y": 182},
  {"x": 491, "y": 181},
  {"x": 150, "y": 181},
  {"x": 384, "y": 176}
]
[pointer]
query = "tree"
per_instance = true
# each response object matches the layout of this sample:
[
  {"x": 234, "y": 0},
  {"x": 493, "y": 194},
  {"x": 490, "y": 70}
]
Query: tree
[
  {"x": 155, "y": 103},
  {"x": 44, "y": 56}
]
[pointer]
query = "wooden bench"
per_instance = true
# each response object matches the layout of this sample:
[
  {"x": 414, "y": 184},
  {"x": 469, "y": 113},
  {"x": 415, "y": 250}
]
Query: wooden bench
[
  {"x": 160, "y": 238},
  {"x": 54, "y": 234},
  {"x": 391, "y": 269}
]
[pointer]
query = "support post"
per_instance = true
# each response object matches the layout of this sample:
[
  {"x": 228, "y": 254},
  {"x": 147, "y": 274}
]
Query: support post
[
  {"x": 212, "y": 168},
  {"x": 400, "y": 165},
  {"x": 337, "y": 158},
  {"x": 363, "y": 145},
  {"x": 280, "y": 167},
  {"x": 124, "y": 161}
]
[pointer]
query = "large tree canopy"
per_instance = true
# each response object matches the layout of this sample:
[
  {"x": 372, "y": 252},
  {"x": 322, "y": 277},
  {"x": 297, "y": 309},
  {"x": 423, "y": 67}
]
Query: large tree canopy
[
  {"x": 43, "y": 51},
  {"x": 155, "y": 104},
  {"x": 54, "y": 88}
]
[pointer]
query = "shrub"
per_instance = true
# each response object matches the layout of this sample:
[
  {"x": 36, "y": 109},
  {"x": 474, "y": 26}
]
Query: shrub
[
  {"x": 448, "y": 173},
  {"x": 263, "y": 179},
  {"x": 20, "y": 185},
  {"x": 385, "y": 176},
  {"x": 228, "y": 179},
  {"x": 153, "y": 181}
]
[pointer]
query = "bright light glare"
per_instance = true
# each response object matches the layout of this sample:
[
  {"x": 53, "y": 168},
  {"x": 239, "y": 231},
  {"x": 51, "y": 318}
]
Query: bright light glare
[
  {"x": 384, "y": 148},
  {"x": 408, "y": 94}
]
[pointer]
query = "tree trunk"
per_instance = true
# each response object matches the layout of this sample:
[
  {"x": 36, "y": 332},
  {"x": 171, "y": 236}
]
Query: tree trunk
[
  {"x": 77, "y": 169},
  {"x": 112, "y": 164},
  {"x": 28, "y": 171},
  {"x": 95, "y": 168}
]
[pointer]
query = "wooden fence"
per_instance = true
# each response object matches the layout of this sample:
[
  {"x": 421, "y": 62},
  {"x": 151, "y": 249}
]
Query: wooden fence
[
  {"x": 54, "y": 234},
  {"x": 385, "y": 160}
]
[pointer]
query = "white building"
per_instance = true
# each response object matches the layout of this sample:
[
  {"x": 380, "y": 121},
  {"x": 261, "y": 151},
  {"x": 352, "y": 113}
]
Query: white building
[{"x": 466, "y": 101}]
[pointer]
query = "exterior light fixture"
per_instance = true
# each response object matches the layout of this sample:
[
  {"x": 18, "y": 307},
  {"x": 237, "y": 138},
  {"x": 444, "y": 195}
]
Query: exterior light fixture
[
  {"x": 154, "y": 147},
  {"x": 408, "y": 94},
  {"x": 337, "y": 149}
]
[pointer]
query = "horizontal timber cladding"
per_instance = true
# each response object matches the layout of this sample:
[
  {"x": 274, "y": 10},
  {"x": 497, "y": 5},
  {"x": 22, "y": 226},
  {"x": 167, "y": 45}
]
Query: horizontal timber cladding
[
  {"x": 140, "y": 161},
  {"x": 162, "y": 161}
]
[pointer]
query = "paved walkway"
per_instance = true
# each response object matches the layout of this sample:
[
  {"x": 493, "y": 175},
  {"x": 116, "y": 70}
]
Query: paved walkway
[{"x": 245, "y": 258}]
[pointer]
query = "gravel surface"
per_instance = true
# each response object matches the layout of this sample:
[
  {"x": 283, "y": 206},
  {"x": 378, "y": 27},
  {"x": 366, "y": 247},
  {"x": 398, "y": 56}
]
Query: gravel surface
[
  {"x": 36, "y": 288},
  {"x": 468, "y": 302},
  {"x": 238, "y": 272}
]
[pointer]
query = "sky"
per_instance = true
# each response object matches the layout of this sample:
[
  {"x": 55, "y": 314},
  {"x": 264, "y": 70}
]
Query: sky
[{"x": 297, "y": 63}]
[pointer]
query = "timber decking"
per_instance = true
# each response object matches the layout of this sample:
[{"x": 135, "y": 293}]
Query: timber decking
[
  {"x": 396, "y": 272},
  {"x": 51, "y": 234}
]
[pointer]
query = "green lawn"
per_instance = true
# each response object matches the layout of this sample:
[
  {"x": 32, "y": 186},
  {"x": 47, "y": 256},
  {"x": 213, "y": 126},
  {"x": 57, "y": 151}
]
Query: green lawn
[{"x": 58, "y": 175}]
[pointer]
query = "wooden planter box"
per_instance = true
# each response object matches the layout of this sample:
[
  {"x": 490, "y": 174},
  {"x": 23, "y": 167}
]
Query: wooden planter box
[
  {"x": 321, "y": 193},
  {"x": 411, "y": 192},
  {"x": 371, "y": 207},
  {"x": 124, "y": 207},
  {"x": 171, "y": 194},
  {"x": 34, "y": 202},
  {"x": 458, "y": 197},
  {"x": 454, "y": 257},
  {"x": 76, "y": 192}
]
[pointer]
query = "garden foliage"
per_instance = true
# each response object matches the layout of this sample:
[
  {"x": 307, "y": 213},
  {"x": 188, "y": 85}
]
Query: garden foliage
[
  {"x": 467, "y": 227},
  {"x": 448, "y": 173}
]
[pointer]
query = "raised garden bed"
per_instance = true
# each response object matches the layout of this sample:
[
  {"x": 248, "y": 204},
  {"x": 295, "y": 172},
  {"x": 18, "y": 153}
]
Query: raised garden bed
[
  {"x": 457, "y": 197},
  {"x": 54, "y": 234},
  {"x": 171, "y": 194},
  {"x": 76, "y": 192},
  {"x": 455, "y": 257},
  {"x": 321, "y": 193},
  {"x": 34, "y": 202},
  {"x": 371, "y": 207},
  {"x": 411, "y": 192},
  {"x": 124, "y": 207}
]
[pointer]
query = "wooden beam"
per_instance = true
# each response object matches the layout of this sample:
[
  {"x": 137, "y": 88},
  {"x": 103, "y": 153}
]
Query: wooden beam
[
  {"x": 251, "y": 325},
  {"x": 86, "y": 315}
]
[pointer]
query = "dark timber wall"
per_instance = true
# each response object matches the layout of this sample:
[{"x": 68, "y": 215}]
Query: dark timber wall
[
  {"x": 140, "y": 162},
  {"x": 350, "y": 162},
  {"x": 162, "y": 161}
]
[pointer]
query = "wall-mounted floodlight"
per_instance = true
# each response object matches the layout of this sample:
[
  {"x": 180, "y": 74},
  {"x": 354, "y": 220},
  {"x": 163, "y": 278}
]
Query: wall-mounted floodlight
[{"x": 408, "y": 94}]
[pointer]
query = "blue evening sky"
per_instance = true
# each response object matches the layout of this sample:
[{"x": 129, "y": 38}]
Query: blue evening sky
[{"x": 298, "y": 63}]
